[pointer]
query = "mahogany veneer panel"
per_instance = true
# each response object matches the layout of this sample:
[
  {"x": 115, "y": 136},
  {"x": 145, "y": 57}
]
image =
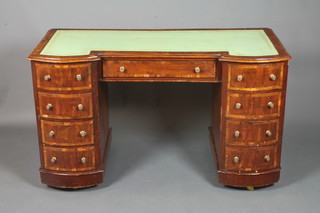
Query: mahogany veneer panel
[
  {"x": 63, "y": 77},
  {"x": 252, "y": 133},
  {"x": 69, "y": 159},
  {"x": 66, "y": 105},
  {"x": 255, "y": 77},
  {"x": 243, "y": 179},
  {"x": 252, "y": 160},
  {"x": 71, "y": 180},
  {"x": 67, "y": 133},
  {"x": 160, "y": 68},
  {"x": 253, "y": 105}
]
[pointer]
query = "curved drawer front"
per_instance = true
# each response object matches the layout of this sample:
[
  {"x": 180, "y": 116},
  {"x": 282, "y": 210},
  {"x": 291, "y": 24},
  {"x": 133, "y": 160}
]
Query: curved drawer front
[
  {"x": 255, "y": 77},
  {"x": 160, "y": 68},
  {"x": 65, "y": 106},
  {"x": 69, "y": 159},
  {"x": 74, "y": 133},
  {"x": 63, "y": 77},
  {"x": 252, "y": 133},
  {"x": 258, "y": 105},
  {"x": 252, "y": 160}
]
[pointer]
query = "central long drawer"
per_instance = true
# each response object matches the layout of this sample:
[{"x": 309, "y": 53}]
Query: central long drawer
[{"x": 160, "y": 68}]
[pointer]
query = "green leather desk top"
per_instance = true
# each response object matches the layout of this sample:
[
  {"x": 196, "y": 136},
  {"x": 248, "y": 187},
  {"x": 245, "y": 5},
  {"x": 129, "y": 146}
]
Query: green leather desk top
[{"x": 236, "y": 42}]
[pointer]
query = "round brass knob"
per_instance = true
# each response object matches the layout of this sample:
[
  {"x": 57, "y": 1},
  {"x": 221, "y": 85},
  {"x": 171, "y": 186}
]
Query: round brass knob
[
  {"x": 83, "y": 133},
  {"x": 268, "y": 133},
  {"x": 79, "y": 77},
  {"x": 197, "y": 69},
  {"x": 80, "y": 107},
  {"x": 51, "y": 133},
  {"x": 273, "y": 77},
  {"x": 267, "y": 158},
  {"x": 237, "y": 133},
  {"x": 236, "y": 159},
  {"x": 49, "y": 106},
  {"x": 53, "y": 160},
  {"x": 239, "y": 78},
  {"x": 83, "y": 160},
  {"x": 238, "y": 105},
  {"x": 122, "y": 69},
  {"x": 270, "y": 105},
  {"x": 47, "y": 77}
]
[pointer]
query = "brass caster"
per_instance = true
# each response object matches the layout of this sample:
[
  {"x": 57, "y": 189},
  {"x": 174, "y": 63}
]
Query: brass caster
[{"x": 250, "y": 188}]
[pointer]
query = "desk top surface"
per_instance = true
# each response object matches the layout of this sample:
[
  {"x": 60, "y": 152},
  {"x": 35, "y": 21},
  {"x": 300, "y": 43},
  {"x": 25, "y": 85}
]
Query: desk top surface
[
  {"x": 236, "y": 42},
  {"x": 226, "y": 44}
]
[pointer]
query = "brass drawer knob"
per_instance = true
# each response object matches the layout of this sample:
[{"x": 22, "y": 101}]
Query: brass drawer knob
[
  {"x": 273, "y": 77},
  {"x": 236, "y": 159},
  {"x": 83, "y": 160},
  {"x": 267, "y": 158},
  {"x": 238, "y": 105},
  {"x": 49, "y": 107},
  {"x": 53, "y": 160},
  {"x": 197, "y": 69},
  {"x": 47, "y": 77},
  {"x": 83, "y": 133},
  {"x": 271, "y": 105},
  {"x": 268, "y": 133},
  {"x": 79, "y": 77},
  {"x": 80, "y": 107},
  {"x": 122, "y": 69},
  {"x": 237, "y": 133},
  {"x": 239, "y": 78},
  {"x": 51, "y": 134}
]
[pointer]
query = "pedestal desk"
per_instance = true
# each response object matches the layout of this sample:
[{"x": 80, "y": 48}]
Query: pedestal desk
[{"x": 71, "y": 70}]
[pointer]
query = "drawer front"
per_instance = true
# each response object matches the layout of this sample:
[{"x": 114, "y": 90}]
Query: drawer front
[
  {"x": 73, "y": 133},
  {"x": 258, "y": 105},
  {"x": 65, "y": 106},
  {"x": 252, "y": 160},
  {"x": 255, "y": 77},
  {"x": 69, "y": 159},
  {"x": 160, "y": 68},
  {"x": 62, "y": 77},
  {"x": 252, "y": 133}
]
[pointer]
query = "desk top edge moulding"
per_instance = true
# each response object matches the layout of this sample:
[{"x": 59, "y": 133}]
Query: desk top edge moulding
[{"x": 247, "y": 67}]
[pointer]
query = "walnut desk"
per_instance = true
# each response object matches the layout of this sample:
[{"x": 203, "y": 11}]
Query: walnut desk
[{"x": 71, "y": 70}]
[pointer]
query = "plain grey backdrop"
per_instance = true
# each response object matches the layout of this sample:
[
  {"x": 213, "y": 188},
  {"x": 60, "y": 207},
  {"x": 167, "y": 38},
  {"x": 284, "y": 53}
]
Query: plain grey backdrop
[{"x": 160, "y": 159}]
